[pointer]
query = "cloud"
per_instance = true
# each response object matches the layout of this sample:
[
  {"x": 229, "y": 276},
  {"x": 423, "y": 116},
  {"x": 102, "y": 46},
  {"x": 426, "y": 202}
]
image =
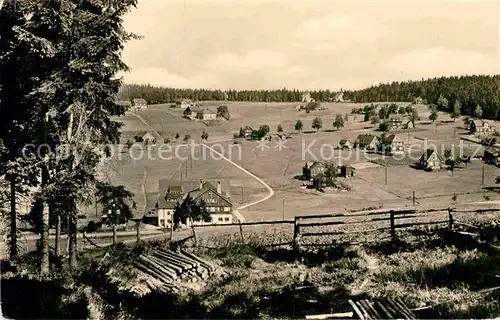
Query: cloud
[
  {"x": 157, "y": 76},
  {"x": 337, "y": 31},
  {"x": 428, "y": 62}
]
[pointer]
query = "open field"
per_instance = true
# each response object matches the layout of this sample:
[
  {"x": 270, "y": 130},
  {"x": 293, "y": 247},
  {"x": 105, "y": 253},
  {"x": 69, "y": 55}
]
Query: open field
[{"x": 278, "y": 167}]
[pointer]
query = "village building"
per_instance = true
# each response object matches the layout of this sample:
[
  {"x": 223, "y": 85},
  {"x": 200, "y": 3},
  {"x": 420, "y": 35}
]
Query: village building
[
  {"x": 312, "y": 169},
  {"x": 184, "y": 103},
  {"x": 345, "y": 144},
  {"x": 173, "y": 192},
  {"x": 339, "y": 97},
  {"x": 306, "y": 97},
  {"x": 408, "y": 124},
  {"x": 392, "y": 144},
  {"x": 148, "y": 138},
  {"x": 247, "y": 132},
  {"x": 484, "y": 127},
  {"x": 395, "y": 121},
  {"x": 206, "y": 114},
  {"x": 431, "y": 160},
  {"x": 347, "y": 171},
  {"x": 367, "y": 141},
  {"x": 418, "y": 100},
  {"x": 139, "y": 103}
]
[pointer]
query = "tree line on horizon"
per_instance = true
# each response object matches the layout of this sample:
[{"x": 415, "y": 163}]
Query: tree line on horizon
[{"x": 470, "y": 91}]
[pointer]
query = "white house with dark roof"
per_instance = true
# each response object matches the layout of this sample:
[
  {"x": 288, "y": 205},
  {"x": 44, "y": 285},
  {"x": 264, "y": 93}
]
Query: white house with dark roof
[
  {"x": 485, "y": 127},
  {"x": 172, "y": 192}
]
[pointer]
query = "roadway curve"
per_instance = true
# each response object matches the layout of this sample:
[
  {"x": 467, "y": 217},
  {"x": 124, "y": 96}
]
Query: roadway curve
[{"x": 236, "y": 212}]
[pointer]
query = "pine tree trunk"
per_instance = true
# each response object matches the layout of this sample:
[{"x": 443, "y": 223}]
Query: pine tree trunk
[
  {"x": 114, "y": 234},
  {"x": 13, "y": 219},
  {"x": 57, "y": 244},
  {"x": 44, "y": 241},
  {"x": 72, "y": 240}
]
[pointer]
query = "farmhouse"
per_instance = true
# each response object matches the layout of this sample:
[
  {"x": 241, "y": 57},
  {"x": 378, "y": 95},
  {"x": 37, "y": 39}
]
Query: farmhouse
[
  {"x": 418, "y": 100},
  {"x": 183, "y": 103},
  {"x": 392, "y": 144},
  {"x": 339, "y": 97},
  {"x": 312, "y": 169},
  {"x": 347, "y": 171},
  {"x": 139, "y": 103},
  {"x": 148, "y": 138},
  {"x": 395, "y": 121},
  {"x": 409, "y": 124},
  {"x": 492, "y": 155},
  {"x": 173, "y": 192},
  {"x": 345, "y": 144},
  {"x": 484, "y": 127},
  {"x": 367, "y": 141},
  {"x": 431, "y": 160},
  {"x": 306, "y": 97},
  {"x": 192, "y": 111},
  {"x": 206, "y": 114}
]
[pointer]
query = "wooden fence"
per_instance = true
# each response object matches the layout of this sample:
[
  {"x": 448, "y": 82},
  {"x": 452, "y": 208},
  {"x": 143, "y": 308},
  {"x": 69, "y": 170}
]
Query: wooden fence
[{"x": 382, "y": 221}]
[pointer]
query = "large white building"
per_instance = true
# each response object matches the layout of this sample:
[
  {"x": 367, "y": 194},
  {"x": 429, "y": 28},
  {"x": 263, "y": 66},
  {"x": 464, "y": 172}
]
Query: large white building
[{"x": 173, "y": 192}]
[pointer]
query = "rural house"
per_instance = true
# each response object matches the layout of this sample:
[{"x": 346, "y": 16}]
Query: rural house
[
  {"x": 345, "y": 144},
  {"x": 339, "y": 97},
  {"x": 173, "y": 192},
  {"x": 484, "y": 127},
  {"x": 206, "y": 114},
  {"x": 409, "y": 124},
  {"x": 347, "y": 171},
  {"x": 492, "y": 156},
  {"x": 431, "y": 160},
  {"x": 139, "y": 103},
  {"x": 395, "y": 121},
  {"x": 148, "y": 138},
  {"x": 247, "y": 132},
  {"x": 367, "y": 141},
  {"x": 418, "y": 100},
  {"x": 184, "y": 103},
  {"x": 392, "y": 144},
  {"x": 306, "y": 97},
  {"x": 312, "y": 169}
]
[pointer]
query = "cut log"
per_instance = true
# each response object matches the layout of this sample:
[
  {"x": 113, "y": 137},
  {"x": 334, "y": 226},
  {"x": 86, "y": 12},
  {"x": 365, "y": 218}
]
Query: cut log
[
  {"x": 367, "y": 309},
  {"x": 152, "y": 272},
  {"x": 157, "y": 265},
  {"x": 356, "y": 309},
  {"x": 387, "y": 313},
  {"x": 185, "y": 266},
  {"x": 169, "y": 263},
  {"x": 404, "y": 308},
  {"x": 391, "y": 309},
  {"x": 343, "y": 315},
  {"x": 203, "y": 262},
  {"x": 170, "y": 270},
  {"x": 363, "y": 310},
  {"x": 162, "y": 264},
  {"x": 179, "y": 257},
  {"x": 372, "y": 308}
]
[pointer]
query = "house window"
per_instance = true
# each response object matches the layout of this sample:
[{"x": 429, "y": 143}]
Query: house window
[
  {"x": 226, "y": 219},
  {"x": 220, "y": 219},
  {"x": 162, "y": 223},
  {"x": 169, "y": 221}
]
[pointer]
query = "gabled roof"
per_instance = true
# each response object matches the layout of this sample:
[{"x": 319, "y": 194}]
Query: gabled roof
[
  {"x": 366, "y": 139},
  {"x": 207, "y": 111},
  {"x": 395, "y": 117},
  {"x": 195, "y": 109},
  {"x": 344, "y": 141},
  {"x": 168, "y": 200},
  {"x": 428, "y": 153},
  {"x": 390, "y": 138},
  {"x": 139, "y": 100}
]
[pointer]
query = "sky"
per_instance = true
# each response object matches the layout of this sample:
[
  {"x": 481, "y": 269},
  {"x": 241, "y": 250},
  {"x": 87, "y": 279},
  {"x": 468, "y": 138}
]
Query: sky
[{"x": 309, "y": 45}]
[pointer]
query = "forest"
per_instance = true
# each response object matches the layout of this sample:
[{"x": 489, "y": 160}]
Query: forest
[{"x": 470, "y": 91}]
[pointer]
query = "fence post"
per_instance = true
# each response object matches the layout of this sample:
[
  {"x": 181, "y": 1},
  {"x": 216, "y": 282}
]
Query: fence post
[
  {"x": 393, "y": 227},
  {"x": 450, "y": 216},
  {"x": 194, "y": 235},
  {"x": 241, "y": 232},
  {"x": 295, "y": 231}
]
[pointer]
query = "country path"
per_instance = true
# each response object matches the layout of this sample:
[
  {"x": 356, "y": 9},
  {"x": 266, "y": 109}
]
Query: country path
[{"x": 236, "y": 212}]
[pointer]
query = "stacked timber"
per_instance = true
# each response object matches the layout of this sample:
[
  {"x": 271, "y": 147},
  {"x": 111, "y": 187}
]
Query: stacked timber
[
  {"x": 170, "y": 269},
  {"x": 382, "y": 309}
]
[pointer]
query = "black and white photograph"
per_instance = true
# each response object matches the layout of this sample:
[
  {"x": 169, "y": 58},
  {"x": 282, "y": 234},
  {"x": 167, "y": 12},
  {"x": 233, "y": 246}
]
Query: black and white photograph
[{"x": 249, "y": 159}]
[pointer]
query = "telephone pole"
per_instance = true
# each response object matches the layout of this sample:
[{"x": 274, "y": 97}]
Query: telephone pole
[
  {"x": 385, "y": 175},
  {"x": 482, "y": 176},
  {"x": 413, "y": 197},
  {"x": 242, "y": 194}
]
